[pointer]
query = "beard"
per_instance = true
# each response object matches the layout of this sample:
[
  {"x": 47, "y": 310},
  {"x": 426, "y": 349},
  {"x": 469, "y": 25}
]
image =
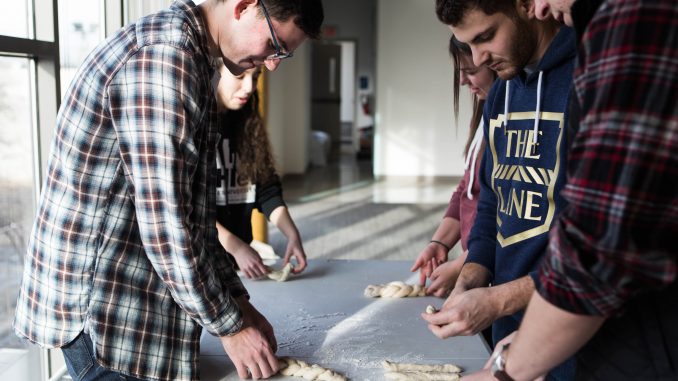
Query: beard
[{"x": 523, "y": 46}]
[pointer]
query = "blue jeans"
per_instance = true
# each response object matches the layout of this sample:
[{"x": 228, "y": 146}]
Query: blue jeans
[{"x": 82, "y": 366}]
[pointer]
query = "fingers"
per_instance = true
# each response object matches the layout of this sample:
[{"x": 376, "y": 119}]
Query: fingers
[
  {"x": 273, "y": 363},
  {"x": 255, "y": 271},
  {"x": 243, "y": 373},
  {"x": 450, "y": 330},
  {"x": 441, "y": 332},
  {"x": 438, "y": 287},
  {"x": 301, "y": 263},
  {"x": 263, "y": 365},
  {"x": 418, "y": 264}
]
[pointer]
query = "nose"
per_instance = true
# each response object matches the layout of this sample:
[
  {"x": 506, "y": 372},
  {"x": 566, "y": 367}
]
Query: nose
[
  {"x": 542, "y": 10},
  {"x": 463, "y": 79},
  {"x": 480, "y": 58},
  {"x": 271, "y": 65},
  {"x": 247, "y": 85}
]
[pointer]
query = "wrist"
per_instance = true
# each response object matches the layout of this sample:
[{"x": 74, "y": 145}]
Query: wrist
[
  {"x": 498, "y": 368},
  {"x": 441, "y": 244}
]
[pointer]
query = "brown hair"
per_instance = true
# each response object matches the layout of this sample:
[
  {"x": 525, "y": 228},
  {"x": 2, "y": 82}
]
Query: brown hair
[
  {"x": 255, "y": 160},
  {"x": 457, "y": 51},
  {"x": 452, "y": 12},
  {"x": 308, "y": 14}
]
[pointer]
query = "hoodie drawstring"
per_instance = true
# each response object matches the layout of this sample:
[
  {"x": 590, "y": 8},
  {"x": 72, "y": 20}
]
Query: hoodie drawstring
[
  {"x": 504, "y": 124},
  {"x": 537, "y": 115},
  {"x": 472, "y": 157}
]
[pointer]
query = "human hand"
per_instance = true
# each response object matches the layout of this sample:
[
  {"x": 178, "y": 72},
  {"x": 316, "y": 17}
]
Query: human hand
[
  {"x": 250, "y": 263},
  {"x": 443, "y": 278},
  {"x": 464, "y": 313},
  {"x": 428, "y": 260},
  {"x": 252, "y": 348},
  {"x": 296, "y": 250}
]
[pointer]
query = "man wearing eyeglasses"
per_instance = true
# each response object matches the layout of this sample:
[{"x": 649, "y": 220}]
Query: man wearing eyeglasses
[{"x": 123, "y": 268}]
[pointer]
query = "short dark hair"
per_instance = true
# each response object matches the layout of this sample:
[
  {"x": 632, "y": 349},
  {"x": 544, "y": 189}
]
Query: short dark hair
[
  {"x": 308, "y": 14},
  {"x": 452, "y": 12}
]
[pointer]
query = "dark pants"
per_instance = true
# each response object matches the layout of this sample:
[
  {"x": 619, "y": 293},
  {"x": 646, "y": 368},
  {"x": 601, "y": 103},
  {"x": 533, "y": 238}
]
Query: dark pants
[
  {"x": 642, "y": 344},
  {"x": 82, "y": 366}
]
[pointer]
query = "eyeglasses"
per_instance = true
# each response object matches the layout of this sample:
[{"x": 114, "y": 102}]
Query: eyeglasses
[{"x": 279, "y": 53}]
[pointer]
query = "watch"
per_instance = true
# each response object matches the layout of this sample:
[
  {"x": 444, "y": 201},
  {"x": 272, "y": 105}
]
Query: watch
[{"x": 499, "y": 365}]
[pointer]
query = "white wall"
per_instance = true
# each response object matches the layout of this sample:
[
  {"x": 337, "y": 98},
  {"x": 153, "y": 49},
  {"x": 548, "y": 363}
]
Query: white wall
[
  {"x": 348, "y": 81},
  {"x": 289, "y": 111},
  {"x": 415, "y": 132}
]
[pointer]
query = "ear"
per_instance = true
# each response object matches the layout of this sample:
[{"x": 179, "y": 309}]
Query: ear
[
  {"x": 242, "y": 7},
  {"x": 526, "y": 8}
]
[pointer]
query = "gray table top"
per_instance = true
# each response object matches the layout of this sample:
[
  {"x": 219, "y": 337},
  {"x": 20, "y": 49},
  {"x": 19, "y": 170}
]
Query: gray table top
[{"x": 322, "y": 317}]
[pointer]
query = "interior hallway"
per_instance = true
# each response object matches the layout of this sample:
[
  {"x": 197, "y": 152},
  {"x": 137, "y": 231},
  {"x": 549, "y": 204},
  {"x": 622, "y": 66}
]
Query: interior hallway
[{"x": 342, "y": 212}]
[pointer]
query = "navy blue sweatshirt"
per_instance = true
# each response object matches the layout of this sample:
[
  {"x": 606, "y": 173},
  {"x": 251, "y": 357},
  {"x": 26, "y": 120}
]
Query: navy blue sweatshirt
[{"x": 522, "y": 174}]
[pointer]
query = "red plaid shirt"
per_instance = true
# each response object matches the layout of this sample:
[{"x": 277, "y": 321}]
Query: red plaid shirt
[{"x": 617, "y": 237}]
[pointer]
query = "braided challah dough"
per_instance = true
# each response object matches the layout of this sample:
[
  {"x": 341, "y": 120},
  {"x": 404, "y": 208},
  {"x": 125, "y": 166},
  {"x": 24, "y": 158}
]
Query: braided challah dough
[
  {"x": 298, "y": 368},
  {"x": 280, "y": 275},
  {"x": 395, "y": 289},
  {"x": 422, "y": 376},
  {"x": 398, "y": 367},
  {"x": 423, "y": 372}
]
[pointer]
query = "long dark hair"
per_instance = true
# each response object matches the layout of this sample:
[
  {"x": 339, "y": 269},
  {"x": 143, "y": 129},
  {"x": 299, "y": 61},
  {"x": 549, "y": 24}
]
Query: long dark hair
[
  {"x": 255, "y": 160},
  {"x": 457, "y": 51}
]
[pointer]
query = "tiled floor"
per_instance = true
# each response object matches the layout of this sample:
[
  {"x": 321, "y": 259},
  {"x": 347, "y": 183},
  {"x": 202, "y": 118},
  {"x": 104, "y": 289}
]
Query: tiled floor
[
  {"x": 350, "y": 180},
  {"x": 343, "y": 213}
]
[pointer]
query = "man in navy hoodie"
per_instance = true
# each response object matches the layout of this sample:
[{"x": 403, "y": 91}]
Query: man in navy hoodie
[{"x": 523, "y": 166}]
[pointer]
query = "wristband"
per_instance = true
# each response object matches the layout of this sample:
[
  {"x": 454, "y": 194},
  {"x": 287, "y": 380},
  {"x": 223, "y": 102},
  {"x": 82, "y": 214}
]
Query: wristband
[{"x": 441, "y": 244}]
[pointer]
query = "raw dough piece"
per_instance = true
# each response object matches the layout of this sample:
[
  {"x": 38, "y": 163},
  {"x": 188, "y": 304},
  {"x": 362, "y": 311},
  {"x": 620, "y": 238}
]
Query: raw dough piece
[
  {"x": 280, "y": 275},
  {"x": 397, "y": 367},
  {"x": 423, "y": 372},
  {"x": 298, "y": 368},
  {"x": 422, "y": 376},
  {"x": 431, "y": 310},
  {"x": 395, "y": 289}
]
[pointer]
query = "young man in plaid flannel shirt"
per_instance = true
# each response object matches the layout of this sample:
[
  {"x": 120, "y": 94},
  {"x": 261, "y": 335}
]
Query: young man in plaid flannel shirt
[{"x": 123, "y": 268}]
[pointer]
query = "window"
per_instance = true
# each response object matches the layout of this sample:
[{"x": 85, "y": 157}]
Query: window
[
  {"x": 15, "y": 22},
  {"x": 80, "y": 30},
  {"x": 17, "y": 208},
  {"x": 30, "y": 77}
]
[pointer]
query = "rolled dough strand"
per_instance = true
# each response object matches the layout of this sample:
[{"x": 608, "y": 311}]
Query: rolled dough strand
[
  {"x": 297, "y": 368},
  {"x": 280, "y": 275},
  {"x": 431, "y": 310},
  {"x": 395, "y": 289},
  {"x": 422, "y": 376},
  {"x": 398, "y": 367}
]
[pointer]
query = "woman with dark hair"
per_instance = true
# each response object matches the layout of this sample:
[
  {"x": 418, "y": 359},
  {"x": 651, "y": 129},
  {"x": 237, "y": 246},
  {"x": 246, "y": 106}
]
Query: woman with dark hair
[
  {"x": 456, "y": 225},
  {"x": 247, "y": 176}
]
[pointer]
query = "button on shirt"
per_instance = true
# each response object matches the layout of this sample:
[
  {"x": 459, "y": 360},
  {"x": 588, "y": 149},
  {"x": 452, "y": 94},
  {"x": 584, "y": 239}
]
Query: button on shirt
[{"x": 124, "y": 242}]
